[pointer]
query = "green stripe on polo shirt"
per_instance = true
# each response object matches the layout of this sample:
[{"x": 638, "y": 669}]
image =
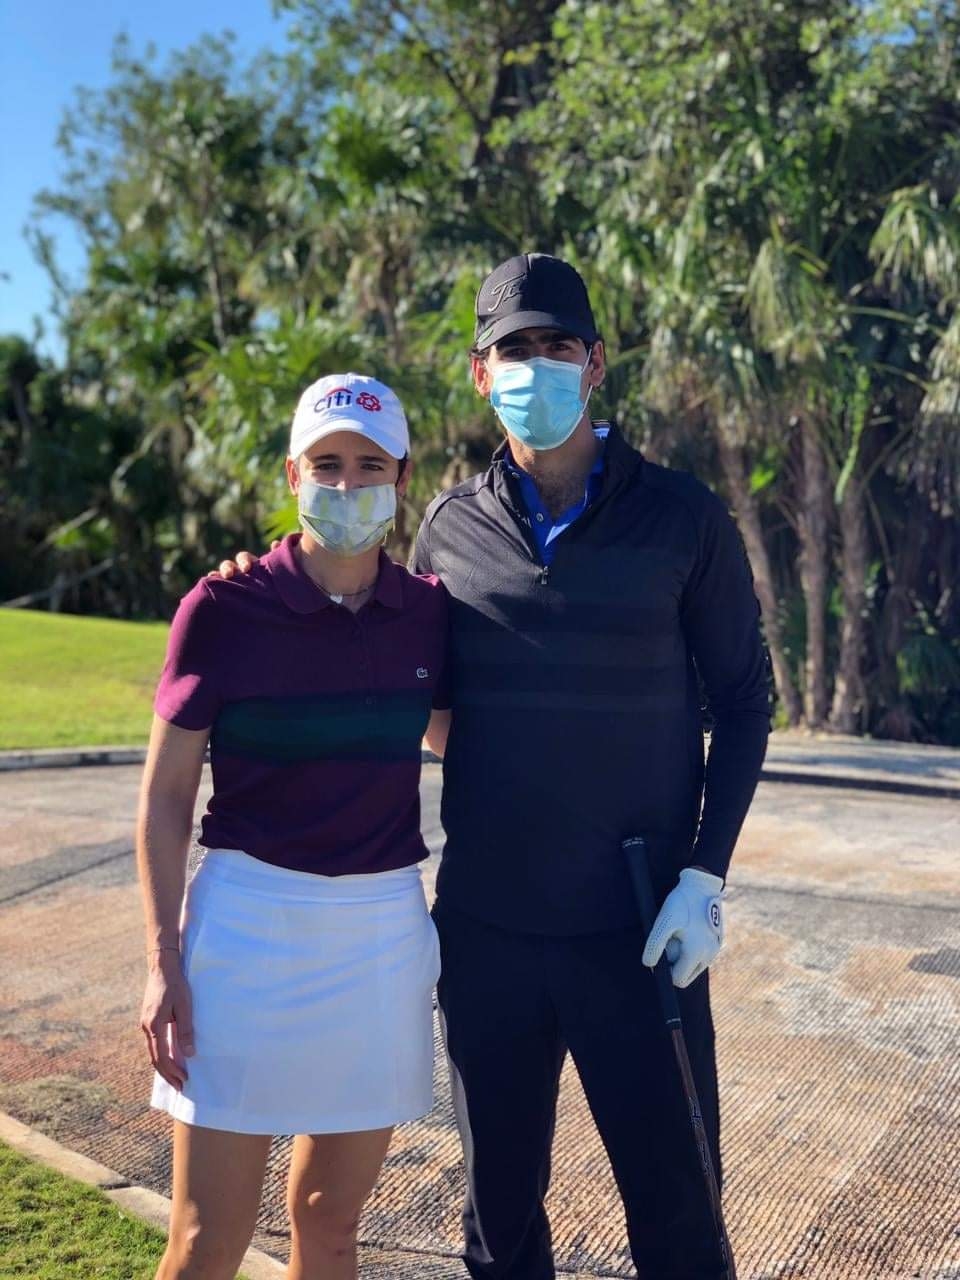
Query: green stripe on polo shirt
[{"x": 353, "y": 726}]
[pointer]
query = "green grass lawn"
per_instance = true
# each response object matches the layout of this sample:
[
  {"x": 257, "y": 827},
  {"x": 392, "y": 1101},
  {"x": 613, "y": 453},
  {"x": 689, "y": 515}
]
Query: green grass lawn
[
  {"x": 52, "y": 1228},
  {"x": 67, "y": 681}
]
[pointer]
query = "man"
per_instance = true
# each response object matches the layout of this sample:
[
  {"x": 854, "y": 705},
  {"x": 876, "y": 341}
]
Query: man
[{"x": 589, "y": 591}]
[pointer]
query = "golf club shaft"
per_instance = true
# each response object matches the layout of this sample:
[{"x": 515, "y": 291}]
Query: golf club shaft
[{"x": 635, "y": 850}]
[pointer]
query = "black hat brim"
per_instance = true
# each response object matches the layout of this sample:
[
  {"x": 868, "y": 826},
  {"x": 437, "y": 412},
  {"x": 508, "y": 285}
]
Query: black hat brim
[{"x": 506, "y": 325}]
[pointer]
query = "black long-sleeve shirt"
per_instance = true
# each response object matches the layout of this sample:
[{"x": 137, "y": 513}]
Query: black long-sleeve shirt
[{"x": 577, "y": 716}]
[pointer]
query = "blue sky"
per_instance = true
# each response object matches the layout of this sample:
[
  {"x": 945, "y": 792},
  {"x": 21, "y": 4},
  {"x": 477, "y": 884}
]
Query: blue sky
[{"x": 47, "y": 49}]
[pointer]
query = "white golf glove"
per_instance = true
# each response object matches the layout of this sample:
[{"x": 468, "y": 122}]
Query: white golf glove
[{"x": 689, "y": 926}]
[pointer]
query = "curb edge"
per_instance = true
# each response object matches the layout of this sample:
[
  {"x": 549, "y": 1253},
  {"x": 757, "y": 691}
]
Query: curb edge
[
  {"x": 139, "y": 1201},
  {"x": 82, "y": 757}
]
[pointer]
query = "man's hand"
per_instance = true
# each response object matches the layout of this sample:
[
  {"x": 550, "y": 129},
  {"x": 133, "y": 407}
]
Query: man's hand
[
  {"x": 166, "y": 1017},
  {"x": 243, "y": 564},
  {"x": 689, "y": 926}
]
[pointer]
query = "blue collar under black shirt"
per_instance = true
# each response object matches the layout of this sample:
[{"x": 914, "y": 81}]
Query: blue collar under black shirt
[{"x": 546, "y": 528}]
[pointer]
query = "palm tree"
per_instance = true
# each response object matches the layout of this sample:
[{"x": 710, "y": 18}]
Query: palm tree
[{"x": 701, "y": 355}]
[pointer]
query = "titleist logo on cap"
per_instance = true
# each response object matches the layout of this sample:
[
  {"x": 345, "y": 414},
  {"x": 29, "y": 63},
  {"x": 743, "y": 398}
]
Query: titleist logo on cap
[
  {"x": 533, "y": 290},
  {"x": 504, "y": 290}
]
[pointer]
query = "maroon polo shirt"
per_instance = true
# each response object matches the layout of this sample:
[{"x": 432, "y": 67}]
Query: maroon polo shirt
[{"x": 316, "y": 713}]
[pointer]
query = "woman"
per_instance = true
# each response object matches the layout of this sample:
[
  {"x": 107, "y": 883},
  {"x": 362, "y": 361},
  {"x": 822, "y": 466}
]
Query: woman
[{"x": 290, "y": 990}]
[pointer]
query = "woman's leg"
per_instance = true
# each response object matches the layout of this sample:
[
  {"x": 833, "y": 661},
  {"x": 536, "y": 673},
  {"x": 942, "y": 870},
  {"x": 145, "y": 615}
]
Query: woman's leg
[
  {"x": 217, "y": 1181},
  {"x": 331, "y": 1176}
]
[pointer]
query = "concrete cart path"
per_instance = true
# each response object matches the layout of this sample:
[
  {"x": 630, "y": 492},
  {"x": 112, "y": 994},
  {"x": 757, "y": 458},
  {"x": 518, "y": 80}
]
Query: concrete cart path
[
  {"x": 863, "y": 763},
  {"x": 838, "y": 1011}
]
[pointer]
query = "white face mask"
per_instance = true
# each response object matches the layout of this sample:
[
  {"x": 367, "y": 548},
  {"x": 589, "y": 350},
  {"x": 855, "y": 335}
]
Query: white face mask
[{"x": 347, "y": 521}]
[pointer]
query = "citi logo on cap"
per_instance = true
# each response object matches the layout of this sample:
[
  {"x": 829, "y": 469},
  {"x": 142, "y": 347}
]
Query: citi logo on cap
[
  {"x": 337, "y": 398},
  {"x": 341, "y": 397},
  {"x": 350, "y": 402}
]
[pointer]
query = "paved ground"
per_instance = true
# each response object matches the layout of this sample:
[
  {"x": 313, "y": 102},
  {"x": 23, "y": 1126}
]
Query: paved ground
[
  {"x": 838, "y": 1003},
  {"x": 883, "y": 766}
]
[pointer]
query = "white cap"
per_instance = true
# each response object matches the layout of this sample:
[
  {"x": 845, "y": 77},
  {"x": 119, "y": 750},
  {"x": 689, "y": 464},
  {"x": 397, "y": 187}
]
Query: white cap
[{"x": 350, "y": 402}]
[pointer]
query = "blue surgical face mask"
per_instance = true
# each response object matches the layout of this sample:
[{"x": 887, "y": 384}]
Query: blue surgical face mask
[{"x": 538, "y": 401}]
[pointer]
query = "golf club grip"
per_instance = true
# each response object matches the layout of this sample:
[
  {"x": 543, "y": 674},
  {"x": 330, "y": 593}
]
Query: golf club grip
[{"x": 635, "y": 850}]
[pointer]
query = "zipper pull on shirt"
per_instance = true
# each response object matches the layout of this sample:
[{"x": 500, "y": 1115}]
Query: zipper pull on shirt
[{"x": 544, "y": 576}]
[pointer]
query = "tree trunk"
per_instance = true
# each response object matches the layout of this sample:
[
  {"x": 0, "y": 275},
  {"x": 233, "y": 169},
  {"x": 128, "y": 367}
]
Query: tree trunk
[
  {"x": 516, "y": 85},
  {"x": 847, "y": 715},
  {"x": 748, "y": 517},
  {"x": 813, "y": 527},
  {"x": 903, "y": 569}
]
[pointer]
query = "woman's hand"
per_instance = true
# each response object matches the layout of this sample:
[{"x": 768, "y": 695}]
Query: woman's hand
[{"x": 166, "y": 1017}]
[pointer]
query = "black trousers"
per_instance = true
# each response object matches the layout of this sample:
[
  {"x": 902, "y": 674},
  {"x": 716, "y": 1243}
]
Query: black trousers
[{"x": 512, "y": 1005}]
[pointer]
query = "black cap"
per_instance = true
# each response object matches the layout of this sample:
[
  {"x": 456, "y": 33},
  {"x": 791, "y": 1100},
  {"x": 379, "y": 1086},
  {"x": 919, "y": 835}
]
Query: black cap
[{"x": 533, "y": 290}]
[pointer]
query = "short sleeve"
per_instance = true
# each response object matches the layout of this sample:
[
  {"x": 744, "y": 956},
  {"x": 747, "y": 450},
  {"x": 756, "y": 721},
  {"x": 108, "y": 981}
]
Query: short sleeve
[{"x": 188, "y": 694}]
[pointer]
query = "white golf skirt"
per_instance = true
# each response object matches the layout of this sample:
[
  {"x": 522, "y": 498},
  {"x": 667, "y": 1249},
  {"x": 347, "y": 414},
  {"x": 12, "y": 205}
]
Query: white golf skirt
[{"x": 312, "y": 999}]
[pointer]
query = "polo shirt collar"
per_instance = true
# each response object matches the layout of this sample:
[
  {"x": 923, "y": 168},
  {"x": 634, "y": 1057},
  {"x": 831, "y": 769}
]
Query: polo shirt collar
[
  {"x": 389, "y": 588},
  {"x": 300, "y": 593}
]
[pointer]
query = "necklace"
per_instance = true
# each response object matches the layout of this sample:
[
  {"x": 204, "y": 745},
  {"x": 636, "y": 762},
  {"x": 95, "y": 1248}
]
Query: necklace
[{"x": 339, "y": 597}]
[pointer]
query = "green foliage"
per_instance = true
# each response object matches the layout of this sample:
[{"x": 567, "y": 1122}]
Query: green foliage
[
  {"x": 763, "y": 200},
  {"x": 928, "y": 667},
  {"x": 750, "y": 167}
]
